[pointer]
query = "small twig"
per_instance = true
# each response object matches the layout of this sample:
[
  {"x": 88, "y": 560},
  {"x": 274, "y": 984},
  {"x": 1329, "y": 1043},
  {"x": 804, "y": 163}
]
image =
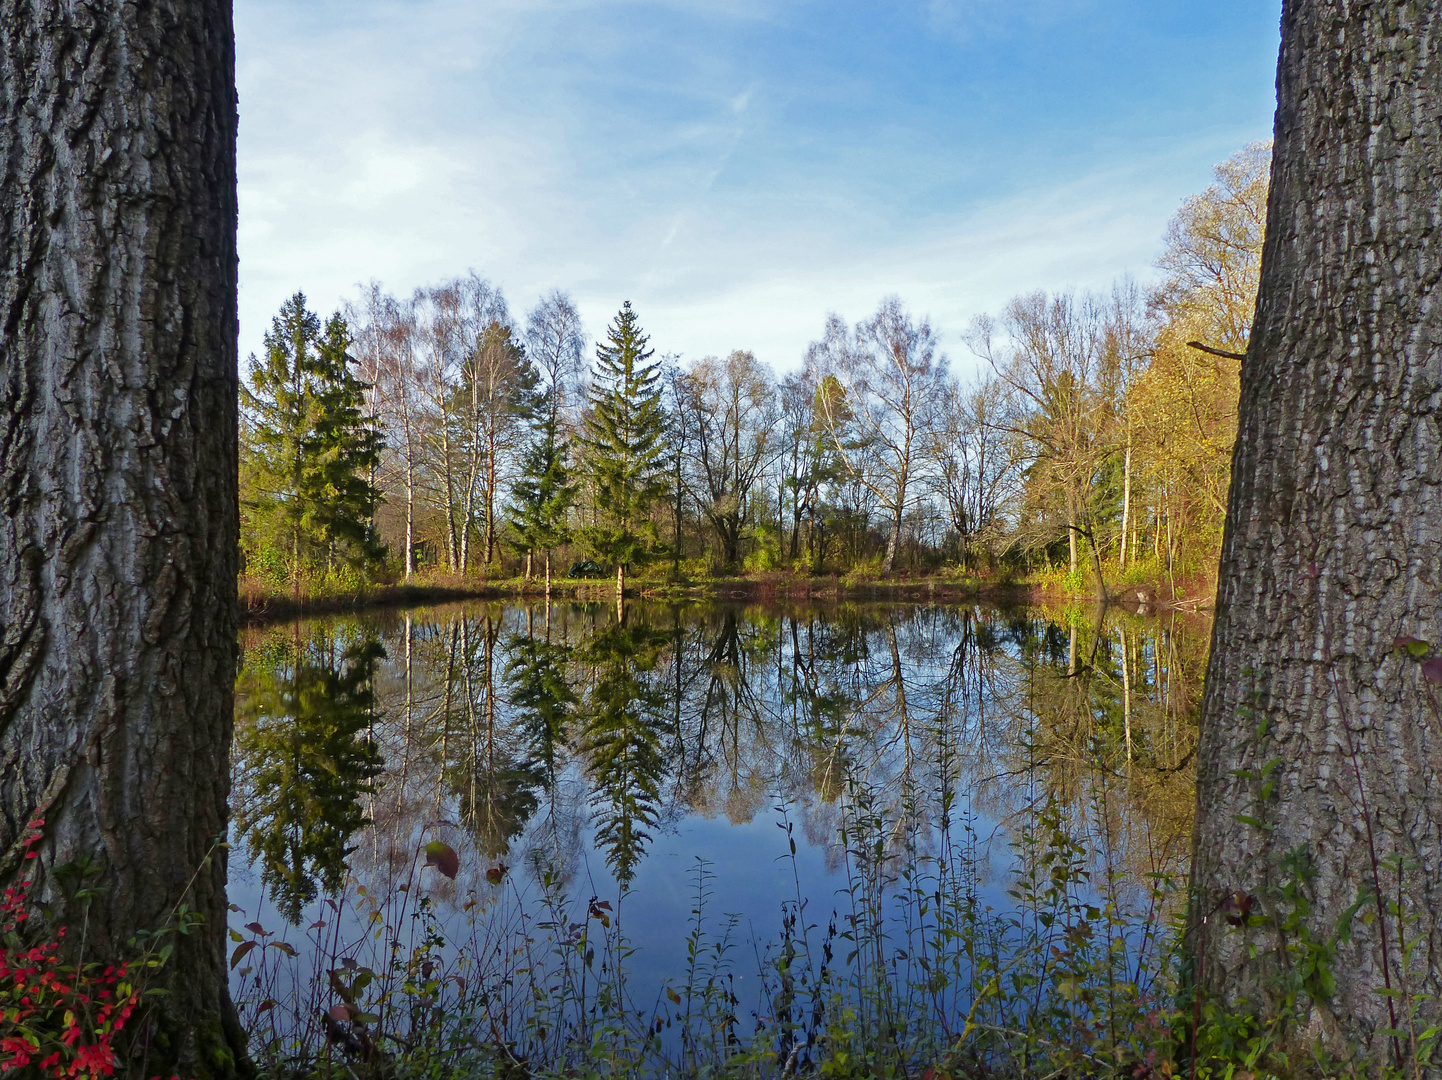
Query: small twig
[{"x": 1224, "y": 353}]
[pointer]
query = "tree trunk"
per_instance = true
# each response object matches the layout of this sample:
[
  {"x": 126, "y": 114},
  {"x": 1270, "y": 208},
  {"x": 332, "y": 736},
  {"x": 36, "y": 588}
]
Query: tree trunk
[
  {"x": 548, "y": 576},
  {"x": 452, "y": 539},
  {"x": 1332, "y": 543},
  {"x": 731, "y": 542},
  {"x": 468, "y": 515},
  {"x": 1099, "y": 581},
  {"x": 491, "y": 503},
  {"x": 620, "y": 582},
  {"x": 1126, "y": 502},
  {"x": 410, "y": 523},
  {"x": 676, "y": 550},
  {"x": 893, "y": 541},
  {"x": 119, "y": 537},
  {"x": 1071, "y": 536}
]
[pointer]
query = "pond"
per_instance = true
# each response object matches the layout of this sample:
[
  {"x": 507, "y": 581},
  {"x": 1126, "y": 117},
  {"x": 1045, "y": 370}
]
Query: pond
[{"x": 519, "y": 797}]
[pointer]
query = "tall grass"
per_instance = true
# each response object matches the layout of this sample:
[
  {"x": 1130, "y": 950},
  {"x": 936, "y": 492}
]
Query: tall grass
[{"x": 913, "y": 973}]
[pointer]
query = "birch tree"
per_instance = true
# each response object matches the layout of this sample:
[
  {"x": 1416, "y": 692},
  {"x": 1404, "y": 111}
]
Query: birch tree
[{"x": 892, "y": 377}]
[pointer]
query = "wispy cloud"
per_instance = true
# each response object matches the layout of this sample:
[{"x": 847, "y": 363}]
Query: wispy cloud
[{"x": 737, "y": 169}]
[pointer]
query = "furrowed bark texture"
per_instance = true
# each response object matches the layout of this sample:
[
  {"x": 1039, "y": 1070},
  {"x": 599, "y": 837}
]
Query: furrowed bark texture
[
  {"x": 118, "y": 534},
  {"x": 1333, "y": 544}
]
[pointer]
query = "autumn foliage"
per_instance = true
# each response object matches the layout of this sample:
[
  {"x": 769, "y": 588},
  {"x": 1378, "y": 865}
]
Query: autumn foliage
[{"x": 56, "y": 1017}]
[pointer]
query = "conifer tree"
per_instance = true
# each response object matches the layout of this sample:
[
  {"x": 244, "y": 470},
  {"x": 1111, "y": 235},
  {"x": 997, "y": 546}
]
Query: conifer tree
[
  {"x": 623, "y": 441},
  {"x": 307, "y": 449},
  {"x": 545, "y": 490}
]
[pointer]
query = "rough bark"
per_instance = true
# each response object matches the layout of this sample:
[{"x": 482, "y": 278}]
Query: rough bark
[
  {"x": 1333, "y": 544},
  {"x": 118, "y": 536}
]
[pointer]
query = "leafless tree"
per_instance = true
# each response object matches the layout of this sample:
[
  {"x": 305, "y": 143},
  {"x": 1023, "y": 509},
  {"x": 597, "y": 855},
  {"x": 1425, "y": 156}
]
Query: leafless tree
[
  {"x": 556, "y": 344},
  {"x": 976, "y": 461},
  {"x": 893, "y": 378},
  {"x": 441, "y": 349},
  {"x": 732, "y": 404},
  {"x": 1049, "y": 350},
  {"x": 386, "y": 341}
]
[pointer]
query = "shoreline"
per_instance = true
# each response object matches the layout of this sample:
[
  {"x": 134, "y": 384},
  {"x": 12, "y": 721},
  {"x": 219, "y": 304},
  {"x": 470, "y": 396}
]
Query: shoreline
[{"x": 259, "y": 607}]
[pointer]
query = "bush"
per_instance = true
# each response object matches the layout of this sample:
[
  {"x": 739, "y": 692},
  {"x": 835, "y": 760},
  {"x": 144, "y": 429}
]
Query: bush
[{"x": 60, "y": 1019}]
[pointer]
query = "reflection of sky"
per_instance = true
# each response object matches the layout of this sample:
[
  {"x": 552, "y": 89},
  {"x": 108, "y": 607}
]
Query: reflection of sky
[
  {"x": 754, "y": 877},
  {"x": 750, "y": 872},
  {"x": 751, "y": 876}
]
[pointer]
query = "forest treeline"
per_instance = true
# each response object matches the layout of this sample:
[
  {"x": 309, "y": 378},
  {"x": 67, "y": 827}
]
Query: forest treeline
[{"x": 441, "y": 432}]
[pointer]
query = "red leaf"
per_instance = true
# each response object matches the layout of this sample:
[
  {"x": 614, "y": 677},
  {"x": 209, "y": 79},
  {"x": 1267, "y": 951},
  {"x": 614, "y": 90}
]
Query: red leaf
[
  {"x": 496, "y": 874},
  {"x": 339, "y": 1012},
  {"x": 444, "y": 858},
  {"x": 256, "y": 928},
  {"x": 1432, "y": 670}
]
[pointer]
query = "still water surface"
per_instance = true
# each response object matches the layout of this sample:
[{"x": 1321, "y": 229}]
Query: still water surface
[{"x": 620, "y": 758}]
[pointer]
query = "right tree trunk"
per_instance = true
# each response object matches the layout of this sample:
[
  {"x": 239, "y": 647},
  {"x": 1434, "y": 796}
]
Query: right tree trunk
[
  {"x": 118, "y": 539},
  {"x": 1320, "y": 741}
]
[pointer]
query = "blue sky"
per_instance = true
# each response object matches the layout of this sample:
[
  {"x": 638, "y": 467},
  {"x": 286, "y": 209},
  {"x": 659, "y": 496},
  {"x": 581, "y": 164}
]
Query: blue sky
[{"x": 736, "y": 168}]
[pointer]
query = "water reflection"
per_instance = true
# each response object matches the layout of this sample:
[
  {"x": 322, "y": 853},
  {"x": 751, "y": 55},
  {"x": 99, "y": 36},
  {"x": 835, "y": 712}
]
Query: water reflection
[
  {"x": 528, "y": 737},
  {"x": 305, "y": 759}
]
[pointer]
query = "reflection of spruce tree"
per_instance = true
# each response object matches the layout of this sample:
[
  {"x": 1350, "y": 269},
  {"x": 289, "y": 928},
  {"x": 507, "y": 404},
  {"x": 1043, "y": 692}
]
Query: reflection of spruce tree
[
  {"x": 304, "y": 761},
  {"x": 541, "y": 696},
  {"x": 622, "y": 729}
]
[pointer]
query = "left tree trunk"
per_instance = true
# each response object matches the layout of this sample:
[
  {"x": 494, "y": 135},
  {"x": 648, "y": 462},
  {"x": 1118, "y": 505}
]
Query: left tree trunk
[
  {"x": 118, "y": 539},
  {"x": 1317, "y": 772}
]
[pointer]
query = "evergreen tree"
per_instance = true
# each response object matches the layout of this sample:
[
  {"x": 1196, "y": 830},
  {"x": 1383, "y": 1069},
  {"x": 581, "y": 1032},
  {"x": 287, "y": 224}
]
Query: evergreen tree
[
  {"x": 308, "y": 451},
  {"x": 624, "y": 440},
  {"x": 544, "y": 491}
]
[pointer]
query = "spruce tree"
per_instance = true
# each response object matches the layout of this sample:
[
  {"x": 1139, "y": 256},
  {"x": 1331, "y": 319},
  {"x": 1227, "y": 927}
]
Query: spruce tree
[
  {"x": 308, "y": 450},
  {"x": 623, "y": 440},
  {"x": 543, "y": 493}
]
